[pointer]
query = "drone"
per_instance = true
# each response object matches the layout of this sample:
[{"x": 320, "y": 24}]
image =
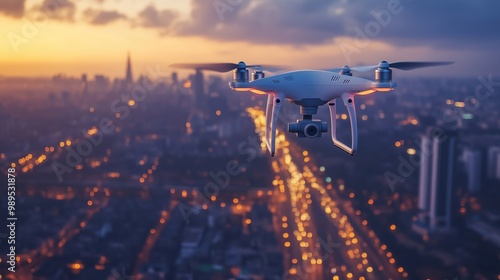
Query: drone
[{"x": 310, "y": 89}]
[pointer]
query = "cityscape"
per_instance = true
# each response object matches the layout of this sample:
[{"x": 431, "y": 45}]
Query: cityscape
[
  {"x": 120, "y": 162},
  {"x": 178, "y": 184}
]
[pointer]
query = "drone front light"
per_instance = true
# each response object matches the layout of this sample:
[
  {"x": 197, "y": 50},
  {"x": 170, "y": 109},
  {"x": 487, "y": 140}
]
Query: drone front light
[
  {"x": 257, "y": 91},
  {"x": 366, "y": 92},
  {"x": 241, "y": 89},
  {"x": 384, "y": 89},
  {"x": 370, "y": 91}
]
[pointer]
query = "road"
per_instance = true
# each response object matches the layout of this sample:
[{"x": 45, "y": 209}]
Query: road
[
  {"x": 153, "y": 236},
  {"x": 322, "y": 235},
  {"x": 29, "y": 261}
]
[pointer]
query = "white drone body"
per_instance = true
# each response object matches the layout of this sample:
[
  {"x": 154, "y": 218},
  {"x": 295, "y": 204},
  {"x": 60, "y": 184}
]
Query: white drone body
[{"x": 310, "y": 89}]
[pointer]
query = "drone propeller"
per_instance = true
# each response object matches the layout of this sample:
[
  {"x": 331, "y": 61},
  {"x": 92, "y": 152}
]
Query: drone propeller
[
  {"x": 404, "y": 65},
  {"x": 410, "y": 65},
  {"x": 225, "y": 67}
]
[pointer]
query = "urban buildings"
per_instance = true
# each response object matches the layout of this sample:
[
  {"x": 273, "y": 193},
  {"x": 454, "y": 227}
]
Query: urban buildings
[{"x": 436, "y": 181}]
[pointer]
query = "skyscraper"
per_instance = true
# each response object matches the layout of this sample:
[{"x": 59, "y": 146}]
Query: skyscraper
[
  {"x": 424, "y": 198},
  {"x": 85, "y": 87},
  {"x": 497, "y": 173},
  {"x": 199, "y": 86},
  {"x": 472, "y": 164},
  {"x": 438, "y": 148},
  {"x": 493, "y": 164},
  {"x": 128, "y": 79},
  {"x": 175, "y": 78}
]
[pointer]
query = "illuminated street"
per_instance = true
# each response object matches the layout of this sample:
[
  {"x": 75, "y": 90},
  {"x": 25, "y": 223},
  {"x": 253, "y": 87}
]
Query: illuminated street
[{"x": 349, "y": 249}]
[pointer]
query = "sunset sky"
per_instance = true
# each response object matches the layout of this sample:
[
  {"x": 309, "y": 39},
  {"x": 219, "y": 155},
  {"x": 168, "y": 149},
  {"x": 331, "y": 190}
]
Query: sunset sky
[{"x": 43, "y": 38}]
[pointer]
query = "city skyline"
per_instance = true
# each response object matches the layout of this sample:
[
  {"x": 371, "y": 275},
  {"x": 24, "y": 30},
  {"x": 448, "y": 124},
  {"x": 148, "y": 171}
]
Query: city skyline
[
  {"x": 121, "y": 167},
  {"x": 163, "y": 175},
  {"x": 63, "y": 36}
]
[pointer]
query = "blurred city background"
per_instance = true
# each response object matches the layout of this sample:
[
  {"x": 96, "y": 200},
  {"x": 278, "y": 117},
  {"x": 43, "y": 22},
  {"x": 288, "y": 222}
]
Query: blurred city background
[{"x": 128, "y": 169}]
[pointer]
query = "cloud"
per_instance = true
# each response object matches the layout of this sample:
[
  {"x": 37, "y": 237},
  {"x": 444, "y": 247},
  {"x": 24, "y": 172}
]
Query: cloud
[
  {"x": 442, "y": 24},
  {"x": 62, "y": 10},
  {"x": 279, "y": 21},
  {"x": 101, "y": 17},
  {"x": 13, "y": 8},
  {"x": 151, "y": 17}
]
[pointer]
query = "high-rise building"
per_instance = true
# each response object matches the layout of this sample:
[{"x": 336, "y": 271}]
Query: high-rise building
[
  {"x": 128, "y": 78},
  {"x": 493, "y": 164},
  {"x": 198, "y": 86},
  {"x": 85, "y": 89},
  {"x": 438, "y": 154},
  {"x": 175, "y": 86},
  {"x": 424, "y": 198},
  {"x": 497, "y": 173},
  {"x": 472, "y": 164},
  {"x": 175, "y": 78},
  {"x": 101, "y": 83}
]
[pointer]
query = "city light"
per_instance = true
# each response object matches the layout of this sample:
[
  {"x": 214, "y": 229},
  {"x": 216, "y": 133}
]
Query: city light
[
  {"x": 313, "y": 210},
  {"x": 411, "y": 151}
]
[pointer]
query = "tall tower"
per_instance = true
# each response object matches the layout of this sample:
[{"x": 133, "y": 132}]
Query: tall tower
[
  {"x": 199, "y": 87},
  {"x": 436, "y": 179},
  {"x": 424, "y": 177},
  {"x": 443, "y": 165},
  {"x": 472, "y": 160},
  {"x": 85, "y": 90},
  {"x": 493, "y": 166},
  {"x": 129, "y": 79}
]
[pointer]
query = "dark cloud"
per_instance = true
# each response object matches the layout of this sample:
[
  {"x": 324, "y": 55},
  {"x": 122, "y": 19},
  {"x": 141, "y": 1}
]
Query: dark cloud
[
  {"x": 14, "y": 8},
  {"x": 63, "y": 10},
  {"x": 101, "y": 17},
  {"x": 152, "y": 18},
  {"x": 459, "y": 23}
]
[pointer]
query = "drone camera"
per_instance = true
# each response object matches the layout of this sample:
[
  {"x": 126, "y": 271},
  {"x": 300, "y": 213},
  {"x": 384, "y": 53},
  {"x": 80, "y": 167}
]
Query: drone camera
[{"x": 308, "y": 128}]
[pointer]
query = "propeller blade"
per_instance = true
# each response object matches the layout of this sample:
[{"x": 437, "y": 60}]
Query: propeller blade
[
  {"x": 410, "y": 65},
  {"x": 403, "y": 65},
  {"x": 267, "y": 67},
  {"x": 225, "y": 67},
  {"x": 217, "y": 67}
]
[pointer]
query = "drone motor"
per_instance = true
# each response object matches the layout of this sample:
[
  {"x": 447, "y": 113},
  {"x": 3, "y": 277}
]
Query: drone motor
[{"x": 383, "y": 74}]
